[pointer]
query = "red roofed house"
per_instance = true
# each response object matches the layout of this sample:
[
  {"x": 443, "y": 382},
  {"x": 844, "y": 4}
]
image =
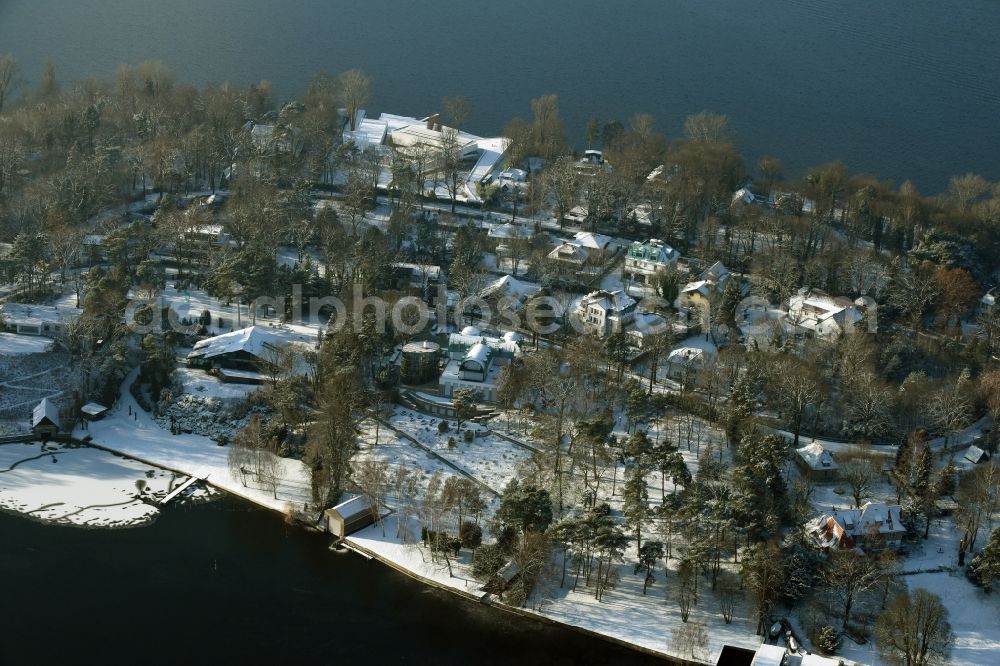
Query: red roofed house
[{"x": 873, "y": 527}]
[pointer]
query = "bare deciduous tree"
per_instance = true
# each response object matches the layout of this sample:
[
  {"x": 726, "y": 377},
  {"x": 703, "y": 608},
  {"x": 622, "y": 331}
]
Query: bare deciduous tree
[
  {"x": 355, "y": 89},
  {"x": 915, "y": 631},
  {"x": 8, "y": 70}
]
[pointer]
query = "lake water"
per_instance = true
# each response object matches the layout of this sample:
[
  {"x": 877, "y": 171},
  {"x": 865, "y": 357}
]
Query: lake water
[
  {"x": 229, "y": 583},
  {"x": 904, "y": 89}
]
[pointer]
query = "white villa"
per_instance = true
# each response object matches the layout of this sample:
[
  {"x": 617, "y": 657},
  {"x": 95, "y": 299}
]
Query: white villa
[
  {"x": 645, "y": 260},
  {"x": 428, "y": 135},
  {"x": 605, "y": 312},
  {"x": 816, "y": 313},
  {"x": 475, "y": 362}
]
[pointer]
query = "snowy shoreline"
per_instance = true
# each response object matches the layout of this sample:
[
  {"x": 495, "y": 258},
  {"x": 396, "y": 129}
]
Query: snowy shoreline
[{"x": 73, "y": 484}]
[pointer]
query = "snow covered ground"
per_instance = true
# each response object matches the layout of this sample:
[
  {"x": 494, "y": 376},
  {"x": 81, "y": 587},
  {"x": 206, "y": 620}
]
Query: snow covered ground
[
  {"x": 15, "y": 345},
  {"x": 491, "y": 459},
  {"x": 139, "y": 436},
  {"x": 624, "y": 613},
  {"x": 27, "y": 378},
  {"x": 80, "y": 485}
]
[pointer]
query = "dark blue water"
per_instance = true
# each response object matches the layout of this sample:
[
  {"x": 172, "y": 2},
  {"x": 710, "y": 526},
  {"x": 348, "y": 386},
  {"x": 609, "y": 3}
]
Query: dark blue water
[
  {"x": 905, "y": 89},
  {"x": 227, "y": 583}
]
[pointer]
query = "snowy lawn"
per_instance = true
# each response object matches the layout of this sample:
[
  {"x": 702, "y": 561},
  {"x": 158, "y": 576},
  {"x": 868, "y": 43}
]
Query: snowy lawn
[
  {"x": 80, "y": 485},
  {"x": 15, "y": 345},
  {"x": 397, "y": 451},
  {"x": 141, "y": 437},
  {"x": 27, "y": 378},
  {"x": 491, "y": 459},
  {"x": 973, "y": 615}
]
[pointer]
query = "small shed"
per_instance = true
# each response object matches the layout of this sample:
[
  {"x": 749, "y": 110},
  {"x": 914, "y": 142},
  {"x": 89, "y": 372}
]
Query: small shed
[
  {"x": 45, "y": 419},
  {"x": 976, "y": 455},
  {"x": 93, "y": 411},
  {"x": 504, "y": 578},
  {"x": 349, "y": 516}
]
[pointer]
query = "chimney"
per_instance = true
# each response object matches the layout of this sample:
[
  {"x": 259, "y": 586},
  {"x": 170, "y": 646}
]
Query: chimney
[{"x": 432, "y": 122}]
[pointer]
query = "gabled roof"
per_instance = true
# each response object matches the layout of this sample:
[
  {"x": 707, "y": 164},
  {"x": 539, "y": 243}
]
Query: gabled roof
[
  {"x": 701, "y": 286},
  {"x": 716, "y": 272},
  {"x": 817, "y": 457},
  {"x": 841, "y": 528},
  {"x": 616, "y": 301},
  {"x": 44, "y": 412},
  {"x": 567, "y": 251},
  {"x": 508, "y": 230},
  {"x": 686, "y": 355},
  {"x": 356, "y": 506},
  {"x": 592, "y": 241},
  {"x": 509, "y": 286}
]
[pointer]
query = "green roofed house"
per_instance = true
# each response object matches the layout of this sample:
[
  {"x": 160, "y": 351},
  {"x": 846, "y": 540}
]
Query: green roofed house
[{"x": 645, "y": 260}]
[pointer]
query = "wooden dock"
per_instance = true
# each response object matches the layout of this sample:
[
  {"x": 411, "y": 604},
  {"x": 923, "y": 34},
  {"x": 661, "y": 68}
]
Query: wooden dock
[{"x": 181, "y": 488}]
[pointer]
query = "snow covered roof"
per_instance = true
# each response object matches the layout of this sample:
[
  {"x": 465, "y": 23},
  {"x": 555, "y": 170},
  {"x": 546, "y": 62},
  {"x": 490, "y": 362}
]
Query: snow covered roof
[
  {"x": 518, "y": 175},
  {"x": 478, "y": 353},
  {"x": 569, "y": 252},
  {"x": 470, "y": 331},
  {"x": 459, "y": 343},
  {"x": 686, "y": 355},
  {"x": 508, "y": 230},
  {"x": 842, "y": 527},
  {"x": 653, "y": 250},
  {"x": 975, "y": 455},
  {"x": 422, "y": 271},
  {"x": 817, "y": 457},
  {"x": 255, "y": 340},
  {"x": 616, "y": 301},
  {"x": 817, "y": 660},
  {"x": 716, "y": 272},
  {"x": 45, "y": 411},
  {"x": 769, "y": 655},
  {"x": 368, "y": 133},
  {"x": 356, "y": 506},
  {"x": 743, "y": 194},
  {"x": 510, "y": 286},
  {"x": 29, "y": 314},
  {"x": 701, "y": 286},
  {"x": 93, "y": 409},
  {"x": 591, "y": 240}
]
